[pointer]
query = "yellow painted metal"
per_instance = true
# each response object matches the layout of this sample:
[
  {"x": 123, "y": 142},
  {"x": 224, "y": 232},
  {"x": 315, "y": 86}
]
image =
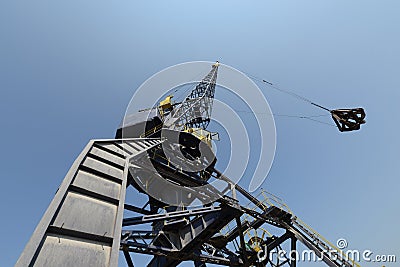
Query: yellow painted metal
[
  {"x": 268, "y": 200},
  {"x": 155, "y": 155},
  {"x": 341, "y": 252},
  {"x": 272, "y": 200},
  {"x": 201, "y": 134},
  {"x": 151, "y": 131},
  {"x": 256, "y": 236},
  {"x": 165, "y": 105}
]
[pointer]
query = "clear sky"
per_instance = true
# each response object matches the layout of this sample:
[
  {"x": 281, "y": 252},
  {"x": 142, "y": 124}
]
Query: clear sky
[{"x": 68, "y": 70}]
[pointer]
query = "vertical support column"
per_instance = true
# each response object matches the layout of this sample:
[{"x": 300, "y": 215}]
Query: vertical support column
[
  {"x": 198, "y": 263},
  {"x": 293, "y": 252},
  {"x": 242, "y": 242}
]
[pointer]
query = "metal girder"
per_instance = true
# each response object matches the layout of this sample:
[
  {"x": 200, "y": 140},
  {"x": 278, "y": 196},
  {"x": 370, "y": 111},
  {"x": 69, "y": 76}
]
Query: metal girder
[
  {"x": 169, "y": 215},
  {"x": 181, "y": 244}
]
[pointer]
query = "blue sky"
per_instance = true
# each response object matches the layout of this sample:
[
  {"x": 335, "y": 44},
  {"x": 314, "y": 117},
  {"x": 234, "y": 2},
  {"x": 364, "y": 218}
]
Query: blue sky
[{"x": 68, "y": 70}]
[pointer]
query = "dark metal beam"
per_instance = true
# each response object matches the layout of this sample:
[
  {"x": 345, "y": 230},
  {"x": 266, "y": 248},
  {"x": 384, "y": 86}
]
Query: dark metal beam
[
  {"x": 168, "y": 216},
  {"x": 293, "y": 258},
  {"x": 242, "y": 243},
  {"x": 127, "y": 257},
  {"x": 59, "y": 231},
  {"x": 137, "y": 210}
]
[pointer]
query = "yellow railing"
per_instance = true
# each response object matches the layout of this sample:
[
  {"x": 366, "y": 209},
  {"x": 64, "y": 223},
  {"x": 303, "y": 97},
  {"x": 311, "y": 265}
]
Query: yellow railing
[
  {"x": 267, "y": 200},
  {"x": 272, "y": 200},
  {"x": 151, "y": 131},
  {"x": 332, "y": 246},
  {"x": 157, "y": 155},
  {"x": 201, "y": 134},
  {"x": 245, "y": 218}
]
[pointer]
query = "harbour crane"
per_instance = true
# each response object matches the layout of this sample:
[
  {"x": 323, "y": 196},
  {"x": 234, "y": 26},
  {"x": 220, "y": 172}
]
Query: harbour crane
[{"x": 90, "y": 220}]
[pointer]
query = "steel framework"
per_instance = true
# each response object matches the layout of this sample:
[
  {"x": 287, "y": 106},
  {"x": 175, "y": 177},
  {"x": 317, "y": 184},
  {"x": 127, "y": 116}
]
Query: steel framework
[
  {"x": 85, "y": 224},
  {"x": 195, "y": 109},
  {"x": 90, "y": 219}
]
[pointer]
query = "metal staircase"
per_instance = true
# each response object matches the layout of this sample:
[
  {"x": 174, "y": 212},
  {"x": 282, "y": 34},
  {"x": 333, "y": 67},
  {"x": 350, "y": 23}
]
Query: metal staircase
[{"x": 278, "y": 211}]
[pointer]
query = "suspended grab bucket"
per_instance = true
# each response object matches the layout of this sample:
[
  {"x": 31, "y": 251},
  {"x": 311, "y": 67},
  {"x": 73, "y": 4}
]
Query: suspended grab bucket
[{"x": 348, "y": 119}]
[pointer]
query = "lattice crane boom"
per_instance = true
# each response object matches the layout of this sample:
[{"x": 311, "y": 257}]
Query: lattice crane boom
[{"x": 195, "y": 109}]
